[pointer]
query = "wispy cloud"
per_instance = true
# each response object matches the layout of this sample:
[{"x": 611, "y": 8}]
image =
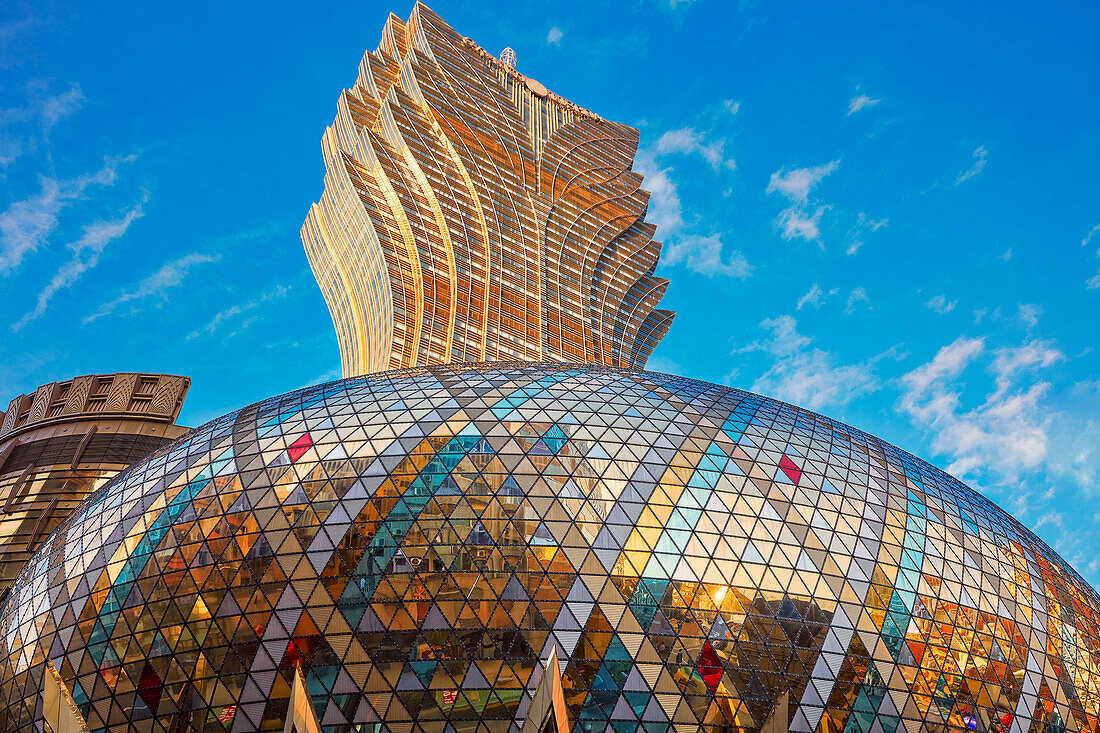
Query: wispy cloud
[
  {"x": 1008, "y": 431},
  {"x": 797, "y": 183},
  {"x": 808, "y": 376},
  {"x": 813, "y": 297},
  {"x": 732, "y": 106},
  {"x": 817, "y": 296},
  {"x": 857, "y": 296},
  {"x": 977, "y": 165},
  {"x": 12, "y": 37},
  {"x": 1028, "y": 314},
  {"x": 704, "y": 254},
  {"x": 28, "y": 224},
  {"x": 21, "y": 126},
  {"x": 170, "y": 275},
  {"x": 864, "y": 225},
  {"x": 264, "y": 230},
  {"x": 860, "y": 101},
  {"x": 688, "y": 140},
  {"x": 940, "y": 304},
  {"x": 221, "y": 318},
  {"x": 553, "y": 37},
  {"x": 666, "y": 211},
  {"x": 1093, "y": 282},
  {"x": 52, "y": 108},
  {"x": 85, "y": 255},
  {"x": 1088, "y": 237},
  {"x": 797, "y": 221}
]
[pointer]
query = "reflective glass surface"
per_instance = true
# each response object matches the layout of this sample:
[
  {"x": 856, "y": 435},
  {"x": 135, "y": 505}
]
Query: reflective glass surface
[{"x": 415, "y": 542}]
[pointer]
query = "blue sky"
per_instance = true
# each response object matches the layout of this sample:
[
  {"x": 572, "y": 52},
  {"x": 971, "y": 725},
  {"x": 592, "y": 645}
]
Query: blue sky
[{"x": 887, "y": 214}]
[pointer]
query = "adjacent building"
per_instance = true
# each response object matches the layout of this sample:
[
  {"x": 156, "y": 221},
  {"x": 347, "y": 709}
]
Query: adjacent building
[
  {"x": 61, "y": 443},
  {"x": 469, "y": 214}
]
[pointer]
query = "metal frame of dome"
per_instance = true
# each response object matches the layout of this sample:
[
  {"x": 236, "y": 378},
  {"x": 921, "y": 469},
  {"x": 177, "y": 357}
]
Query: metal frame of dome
[{"x": 695, "y": 556}]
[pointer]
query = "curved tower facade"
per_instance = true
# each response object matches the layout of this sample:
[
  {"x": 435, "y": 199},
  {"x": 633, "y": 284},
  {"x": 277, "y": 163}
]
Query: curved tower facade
[
  {"x": 469, "y": 214},
  {"x": 495, "y": 548},
  {"x": 58, "y": 445}
]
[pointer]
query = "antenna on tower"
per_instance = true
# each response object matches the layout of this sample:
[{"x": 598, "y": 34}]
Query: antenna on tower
[{"x": 508, "y": 58}]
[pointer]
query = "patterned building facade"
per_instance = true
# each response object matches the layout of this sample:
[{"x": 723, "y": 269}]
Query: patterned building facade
[
  {"x": 58, "y": 445},
  {"x": 469, "y": 214},
  {"x": 405, "y": 552}
]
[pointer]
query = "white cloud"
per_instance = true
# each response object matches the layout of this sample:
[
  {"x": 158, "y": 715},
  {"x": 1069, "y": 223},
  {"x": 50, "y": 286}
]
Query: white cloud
[
  {"x": 1074, "y": 427},
  {"x": 1093, "y": 282},
  {"x": 797, "y": 183},
  {"x": 553, "y": 38},
  {"x": 860, "y": 101},
  {"x": 797, "y": 221},
  {"x": 1017, "y": 432},
  {"x": 20, "y": 126},
  {"x": 1010, "y": 363},
  {"x": 13, "y": 39},
  {"x": 948, "y": 362},
  {"x": 85, "y": 255},
  {"x": 225, "y": 316},
  {"x": 863, "y": 225},
  {"x": 28, "y": 224},
  {"x": 703, "y": 254},
  {"x": 170, "y": 275},
  {"x": 54, "y": 108},
  {"x": 1088, "y": 237},
  {"x": 1005, "y": 256},
  {"x": 1052, "y": 518},
  {"x": 979, "y": 157},
  {"x": 688, "y": 140},
  {"x": 815, "y": 296},
  {"x": 785, "y": 339},
  {"x": 855, "y": 297},
  {"x": 940, "y": 304},
  {"x": 732, "y": 106},
  {"x": 665, "y": 210},
  {"x": 814, "y": 380},
  {"x": 807, "y": 376},
  {"x": 1007, "y": 432},
  {"x": 1028, "y": 314}
]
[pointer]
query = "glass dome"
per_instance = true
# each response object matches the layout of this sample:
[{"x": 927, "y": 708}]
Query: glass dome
[{"x": 417, "y": 543}]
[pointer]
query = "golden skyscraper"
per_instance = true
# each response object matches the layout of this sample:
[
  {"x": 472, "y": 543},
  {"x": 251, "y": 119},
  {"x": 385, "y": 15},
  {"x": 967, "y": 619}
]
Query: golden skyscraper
[{"x": 471, "y": 215}]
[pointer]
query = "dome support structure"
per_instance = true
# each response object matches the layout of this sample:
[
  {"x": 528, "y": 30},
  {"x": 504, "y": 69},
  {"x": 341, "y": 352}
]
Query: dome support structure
[
  {"x": 300, "y": 716},
  {"x": 58, "y": 707},
  {"x": 547, "y": 713}
]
